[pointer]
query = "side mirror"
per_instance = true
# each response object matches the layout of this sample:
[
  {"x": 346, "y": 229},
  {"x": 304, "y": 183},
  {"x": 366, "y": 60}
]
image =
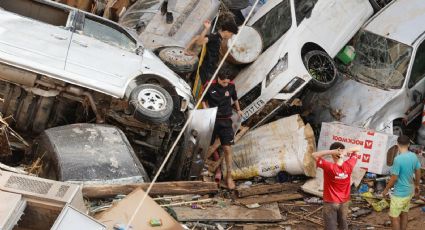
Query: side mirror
[
  {"x": 417, "y": 97},
  {"x": 307, "y": 9},
  {"x": 139, "y": 50}
]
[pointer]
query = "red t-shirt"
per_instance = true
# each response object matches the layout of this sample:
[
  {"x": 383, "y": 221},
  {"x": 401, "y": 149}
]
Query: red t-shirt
[{"x": 336, "y": 184}]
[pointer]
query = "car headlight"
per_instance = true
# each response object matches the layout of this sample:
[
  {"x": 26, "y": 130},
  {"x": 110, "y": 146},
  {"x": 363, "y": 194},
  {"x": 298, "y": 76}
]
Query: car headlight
[
  {"x": 280, "y": 66},
  {"x": 292, "y": 85}
]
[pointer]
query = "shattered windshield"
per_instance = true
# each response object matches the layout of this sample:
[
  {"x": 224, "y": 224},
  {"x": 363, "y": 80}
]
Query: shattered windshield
[
  {"x": 140, "y": 14},
  {"x": 275, "y": 23},
  {"x": 380, "y": 61}
]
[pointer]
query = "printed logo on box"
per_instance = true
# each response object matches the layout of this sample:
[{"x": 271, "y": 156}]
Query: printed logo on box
[
  {"x": 371, "y": 133},
  {"x": 366, "y": 158},
  {"x": 368, "y": 144}
]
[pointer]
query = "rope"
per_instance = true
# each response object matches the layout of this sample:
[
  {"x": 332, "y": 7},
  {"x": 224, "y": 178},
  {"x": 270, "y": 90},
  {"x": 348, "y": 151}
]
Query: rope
[
  {"x": 190, "y": 116},
  {"x": 197, "y": 86}
]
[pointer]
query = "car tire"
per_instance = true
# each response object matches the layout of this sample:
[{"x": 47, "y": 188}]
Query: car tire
[
  {"x": 322, "y": 70},
  {"x": 152, "y": 103},
  {"x": 377, "y": 5},
  {"x": 398, "y": 127},
  {"x": 177, "y": 61}
]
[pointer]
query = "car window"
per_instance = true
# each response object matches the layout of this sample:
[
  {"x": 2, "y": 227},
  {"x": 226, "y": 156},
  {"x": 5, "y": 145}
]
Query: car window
[
  {"x": 37, "y": 11},
  {"x": 108, "y": 34},
  {"x": 418, "y": 69},
  {"x": 301, "y": 8},
  {"x": 275, "y": 23}
]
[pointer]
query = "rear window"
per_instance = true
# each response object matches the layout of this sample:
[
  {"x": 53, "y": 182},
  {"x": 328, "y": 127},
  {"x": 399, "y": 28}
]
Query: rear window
[{"x": 37, "y": 11}]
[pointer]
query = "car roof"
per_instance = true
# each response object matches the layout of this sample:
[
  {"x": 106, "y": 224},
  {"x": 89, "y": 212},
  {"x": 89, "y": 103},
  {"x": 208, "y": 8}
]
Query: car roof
[{"x": 402, "y": 20}]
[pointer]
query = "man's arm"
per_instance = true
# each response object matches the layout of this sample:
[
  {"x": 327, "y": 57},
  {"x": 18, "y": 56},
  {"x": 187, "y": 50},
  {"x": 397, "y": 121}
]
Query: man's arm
[
  {"x": 238, "y": 108},
  {"x": 390, "y": 184},
  {"x": 417, "y": 180},
  {"x": 204, "y": 104},
  {"x": 322, "y": 153}
]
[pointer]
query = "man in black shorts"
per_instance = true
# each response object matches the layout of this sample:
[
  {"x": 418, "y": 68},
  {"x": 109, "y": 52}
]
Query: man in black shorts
[{"x": 220, "y": 95}]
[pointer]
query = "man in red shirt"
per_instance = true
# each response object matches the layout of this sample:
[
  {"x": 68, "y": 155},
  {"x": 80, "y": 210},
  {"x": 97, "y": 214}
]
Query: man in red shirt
[{"x": 336, "y": 184}]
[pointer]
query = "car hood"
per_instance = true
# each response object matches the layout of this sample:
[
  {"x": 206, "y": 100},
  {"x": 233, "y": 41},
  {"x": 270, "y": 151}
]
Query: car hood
[{"x": 348, "y": 101}]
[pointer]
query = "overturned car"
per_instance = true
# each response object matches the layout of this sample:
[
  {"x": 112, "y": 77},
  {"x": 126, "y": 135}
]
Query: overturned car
[{"x": 59, "y": 66}]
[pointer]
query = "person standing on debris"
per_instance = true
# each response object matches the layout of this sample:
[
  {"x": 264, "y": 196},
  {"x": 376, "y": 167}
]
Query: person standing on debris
[
  {"x": 405, "y": 172},
  {"x": 210, "y": 53},
  {"x": 336, "y": 185},
  {"x": 220, "y": 95}
]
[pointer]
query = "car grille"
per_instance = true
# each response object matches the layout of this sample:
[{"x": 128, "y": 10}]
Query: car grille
[{"x": 250, "y": 97}]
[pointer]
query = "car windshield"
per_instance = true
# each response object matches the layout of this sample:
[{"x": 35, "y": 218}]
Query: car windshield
[
  {"x": 140, "y": 14},
  {"x": 380, "y": 61},
  {"x": 274, "y": 23}
]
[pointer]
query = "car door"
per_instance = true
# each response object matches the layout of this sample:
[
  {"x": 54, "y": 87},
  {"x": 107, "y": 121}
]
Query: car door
[
  {"x": 102, "y": 54},
  {"x": 29, "y": 38},
  {"x": 416, "y": 82}
]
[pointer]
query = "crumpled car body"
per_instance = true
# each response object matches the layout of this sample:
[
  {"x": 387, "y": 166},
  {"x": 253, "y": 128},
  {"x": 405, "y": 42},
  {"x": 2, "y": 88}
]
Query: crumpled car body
[
  {"x": 279, "y": 73},
  {"x": 89, "y": 154},
  {"x": 385, "y": 85},
  {"x": 60, "y": 66},
  {"x": 145, "y": 17},
  {"x": 79, "y": 48}
]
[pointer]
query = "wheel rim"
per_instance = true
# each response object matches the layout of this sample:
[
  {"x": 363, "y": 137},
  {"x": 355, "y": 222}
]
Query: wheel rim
[
  {"x": 152, "y": 99},
  {"x": 321, "y": 68}
]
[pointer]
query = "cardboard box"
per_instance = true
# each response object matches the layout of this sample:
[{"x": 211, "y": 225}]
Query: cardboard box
[{"x": 374, "y": 145}]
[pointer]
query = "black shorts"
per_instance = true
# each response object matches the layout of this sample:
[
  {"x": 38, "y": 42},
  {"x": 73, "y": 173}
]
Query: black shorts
[{"x": 223, "y": 129}]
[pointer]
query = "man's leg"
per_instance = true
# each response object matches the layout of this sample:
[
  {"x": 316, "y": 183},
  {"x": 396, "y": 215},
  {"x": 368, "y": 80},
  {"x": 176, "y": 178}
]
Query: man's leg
[
  {"x": 228, "y": 158},
  {"x": 342, "y": 216},
  {"x": 213, "y": 148},
  {"x": 395, "y": 223},
  {"x": 403, "y": 220},
  {"x": 330, "y": 216}
]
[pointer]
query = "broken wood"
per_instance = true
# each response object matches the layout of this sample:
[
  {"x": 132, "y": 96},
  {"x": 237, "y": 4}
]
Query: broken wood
[
  {"x": 266, "y": 189},
  {"x": 305, "y": 218},
  {"x": 12, "y": 169},
  {"x": 159, "y": 188},
  {"x": 186, "y": 202},
  {"x": 231, "y": 213},
  {"x": 270, "y": 198}
]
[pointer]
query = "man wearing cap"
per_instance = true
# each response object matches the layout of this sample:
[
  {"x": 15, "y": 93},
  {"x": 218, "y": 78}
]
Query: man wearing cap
[
  {"x": 405, "y": 176},
  {"x": 221, "y": 94}
]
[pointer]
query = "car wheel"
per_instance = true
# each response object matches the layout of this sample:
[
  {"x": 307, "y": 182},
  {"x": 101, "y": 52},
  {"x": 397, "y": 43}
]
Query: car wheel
[
  {"x": 179, "y": 62},
  {"x": 379, "y": 4},
  {"x": 151, "y": 103},
  {"x": 322, "y": 69},
  {"x": 398, "y": 127}
]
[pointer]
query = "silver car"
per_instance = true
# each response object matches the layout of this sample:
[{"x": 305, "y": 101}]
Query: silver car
[
  {"x": 384, "y": 88},
  {"x": 88, "y": 52},
  {"x": 59, "y": 66}
]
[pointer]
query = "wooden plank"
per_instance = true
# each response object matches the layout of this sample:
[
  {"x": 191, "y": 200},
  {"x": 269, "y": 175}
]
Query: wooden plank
[
  {"x": 231, "y": 213},
  {"x": 159, "y": 188},
  {"x": 269, "y": 198},
  {"x": 266, "y": 189}
]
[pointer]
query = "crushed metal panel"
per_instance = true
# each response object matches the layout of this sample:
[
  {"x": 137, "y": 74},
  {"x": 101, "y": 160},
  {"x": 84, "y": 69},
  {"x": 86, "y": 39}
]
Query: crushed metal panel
[
  {"x": 39, "y": 188},
  {"x": 71, "y": 219},
  {"x": 11, "y": 209},
  {"x": 93, "y": 152},
  {"x": 282, "y": 145},
  {"x": 196, "y": 146},
  {"x": 403, "y": 19}
]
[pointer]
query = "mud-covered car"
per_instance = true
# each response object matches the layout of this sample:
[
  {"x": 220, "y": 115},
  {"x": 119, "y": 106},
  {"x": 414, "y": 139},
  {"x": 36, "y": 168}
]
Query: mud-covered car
[
  {"x": 59, "y": 65},
  {"x": 88, "y": 153},
  {"x": 384, "y": 86}
]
